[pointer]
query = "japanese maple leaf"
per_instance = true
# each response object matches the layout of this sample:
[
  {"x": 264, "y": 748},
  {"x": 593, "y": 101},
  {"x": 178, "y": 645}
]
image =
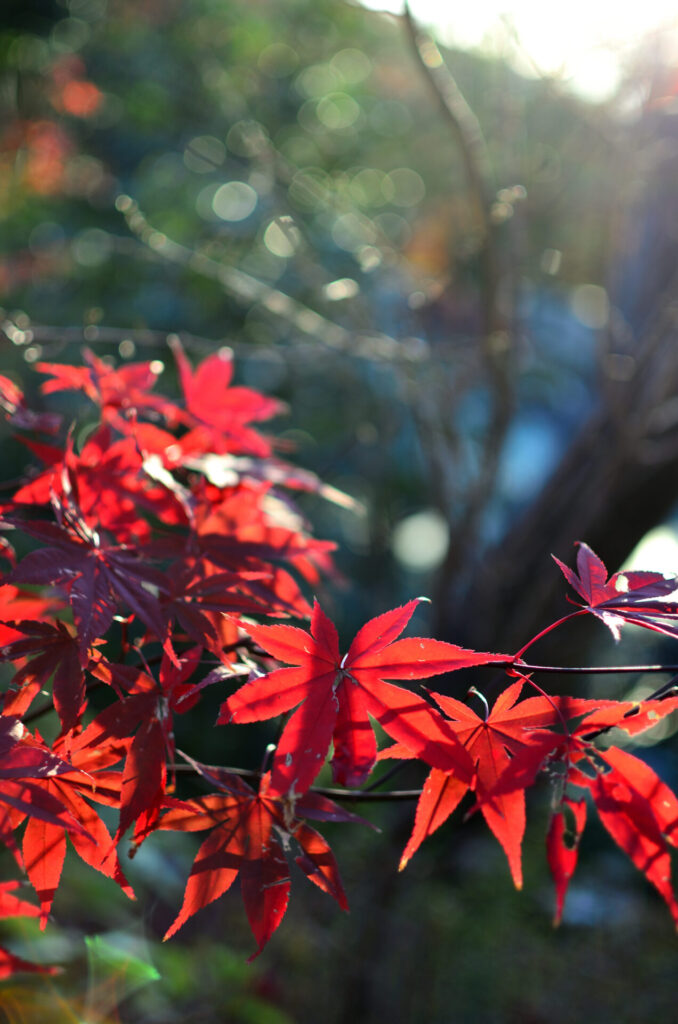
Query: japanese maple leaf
[
  {"x": 12, "y": 905},
  {"x": 337, "y": 694},
  {"x": 90, "y": 778},
  {"x": 218, "y": 414},
  {"x": 13, "y": 404},
  {"x": 257, "y": 516},
  {"x": 23, "y": 756},
  {"x": 144, "y": 721},
  {"x": 54, "y": 652},
  {"x": 197, "y": 591},
  {"x": 15, "y": 605},
  {"x": 250, "y": 529},
  {"x": 545, "y": 748},
  {"x": 25, "y": 764},
  {"x": 11, "y": 964},
  {"x": 562, "y": 847},
  {"x": 236, "y": 536},
  {"x": 638, "y": 810},
  {"x": 97, "y": 576},
  {"x": 640, "y": 598},
  {"x": 491, "y": 743},
  {"x": 250, "y": 832},
  {"x": 113, "y": 390},
  {"x": 108, "y": 482}
]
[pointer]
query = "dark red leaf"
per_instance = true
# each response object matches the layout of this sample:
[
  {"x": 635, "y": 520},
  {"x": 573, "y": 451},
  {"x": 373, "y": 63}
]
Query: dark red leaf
[
  {"x": 249, "y": 834},
  {"x": 642, "y": 598}
]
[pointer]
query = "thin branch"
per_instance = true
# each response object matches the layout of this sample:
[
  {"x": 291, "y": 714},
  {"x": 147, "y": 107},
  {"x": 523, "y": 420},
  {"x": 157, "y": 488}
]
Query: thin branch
[
  {"x": 393, "y": 770},
  {"x": 359, "y": 795},
  {"x": 44, "y": 709},
  {"x": 595, "y": 669},
  {"x": 251, "y": 291},
  {"x": 351, "y": 795},
  {"x": 47, "y": 334},
  {"x": 466, "y": 133},
  {"x": 458, "y": 115}
]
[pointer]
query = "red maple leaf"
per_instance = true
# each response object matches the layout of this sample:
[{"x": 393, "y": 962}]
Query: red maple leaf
[
  {"x": 114, "y": 390},
  {"x": 337, "y": 694},
  {"x": 491, "y": 743},
  {"x": 23, "y": 756},
  {"x": 143, "y": 722},
  {"x": 249, "y": 529},
  {"x": 199, "y": 593},
  {"x": 217, "y": 413},
  {"x": 89, "y": 778},
  {"x": 641, "y": 598},
  {"x": 54, "y": 652},
  {"x": 12, "y": 905},
  {"x": 638, "y": 810},
  {"x": 544, "y": 748},
  {"x": 26, "y": 766},
  {"x": 13, "y": 404},
  {"x": 96, "y": 575},
  {"x": 11, "y": 964},
  {"x": 16, "y": 605},
  {"x": 562, "y": 847},
  {"x": 108, "y": 481},
  {"x": 250, "y": 832}
]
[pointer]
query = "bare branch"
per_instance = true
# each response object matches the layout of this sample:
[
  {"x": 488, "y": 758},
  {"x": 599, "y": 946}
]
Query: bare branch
[
  {"x": 251, "y": 291},
  {"x": 496, "y": 345},
  {"x": 460, "y": 119},
  {"x": 351, "y": 795}
]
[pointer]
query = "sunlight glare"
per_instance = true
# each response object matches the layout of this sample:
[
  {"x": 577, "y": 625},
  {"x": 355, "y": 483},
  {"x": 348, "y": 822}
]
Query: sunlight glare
[{"x": 583, "y": 44}]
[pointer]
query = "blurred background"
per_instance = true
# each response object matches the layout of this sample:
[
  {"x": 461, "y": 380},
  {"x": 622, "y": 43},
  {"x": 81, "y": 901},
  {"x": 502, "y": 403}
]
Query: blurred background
[{"x": 449, "y": 242}]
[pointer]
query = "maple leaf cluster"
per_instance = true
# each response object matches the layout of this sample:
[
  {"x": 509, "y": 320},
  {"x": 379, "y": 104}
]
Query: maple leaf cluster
[{"x": 152, "y": 551}]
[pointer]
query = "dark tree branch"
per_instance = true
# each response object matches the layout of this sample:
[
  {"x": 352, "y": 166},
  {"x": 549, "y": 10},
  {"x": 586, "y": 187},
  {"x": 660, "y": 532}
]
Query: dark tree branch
[
  {"x": 496, "y": 344},
  {"x": 351, "y": 795}
]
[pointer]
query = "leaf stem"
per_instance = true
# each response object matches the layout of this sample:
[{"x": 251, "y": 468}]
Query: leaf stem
[
  {"x": 474, "y": 692},
  {"x": 595, "y": 669},
  {"x": 548, "y": 629},
  {"x": 549, "y": 698}
]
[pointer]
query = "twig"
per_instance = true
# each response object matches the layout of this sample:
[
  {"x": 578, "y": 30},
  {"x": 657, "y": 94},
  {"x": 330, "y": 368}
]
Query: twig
[
  {"x": 458, "y": 115},
  {"x": 393, "y": 770},
  {"x": 594, "y": 669},
  {"x": 496, "y": 340},
  {"x": 251, "y": 291},
  {"x": 351, "y": 795},
  {"x": 47, "y": 334}
]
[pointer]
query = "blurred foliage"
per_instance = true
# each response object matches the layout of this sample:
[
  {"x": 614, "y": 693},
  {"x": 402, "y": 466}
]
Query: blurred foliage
[
  {"x": 301, "y": 148},
  {"x": 276, "y": 178},
  {"x": 448, "y": 940}
]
